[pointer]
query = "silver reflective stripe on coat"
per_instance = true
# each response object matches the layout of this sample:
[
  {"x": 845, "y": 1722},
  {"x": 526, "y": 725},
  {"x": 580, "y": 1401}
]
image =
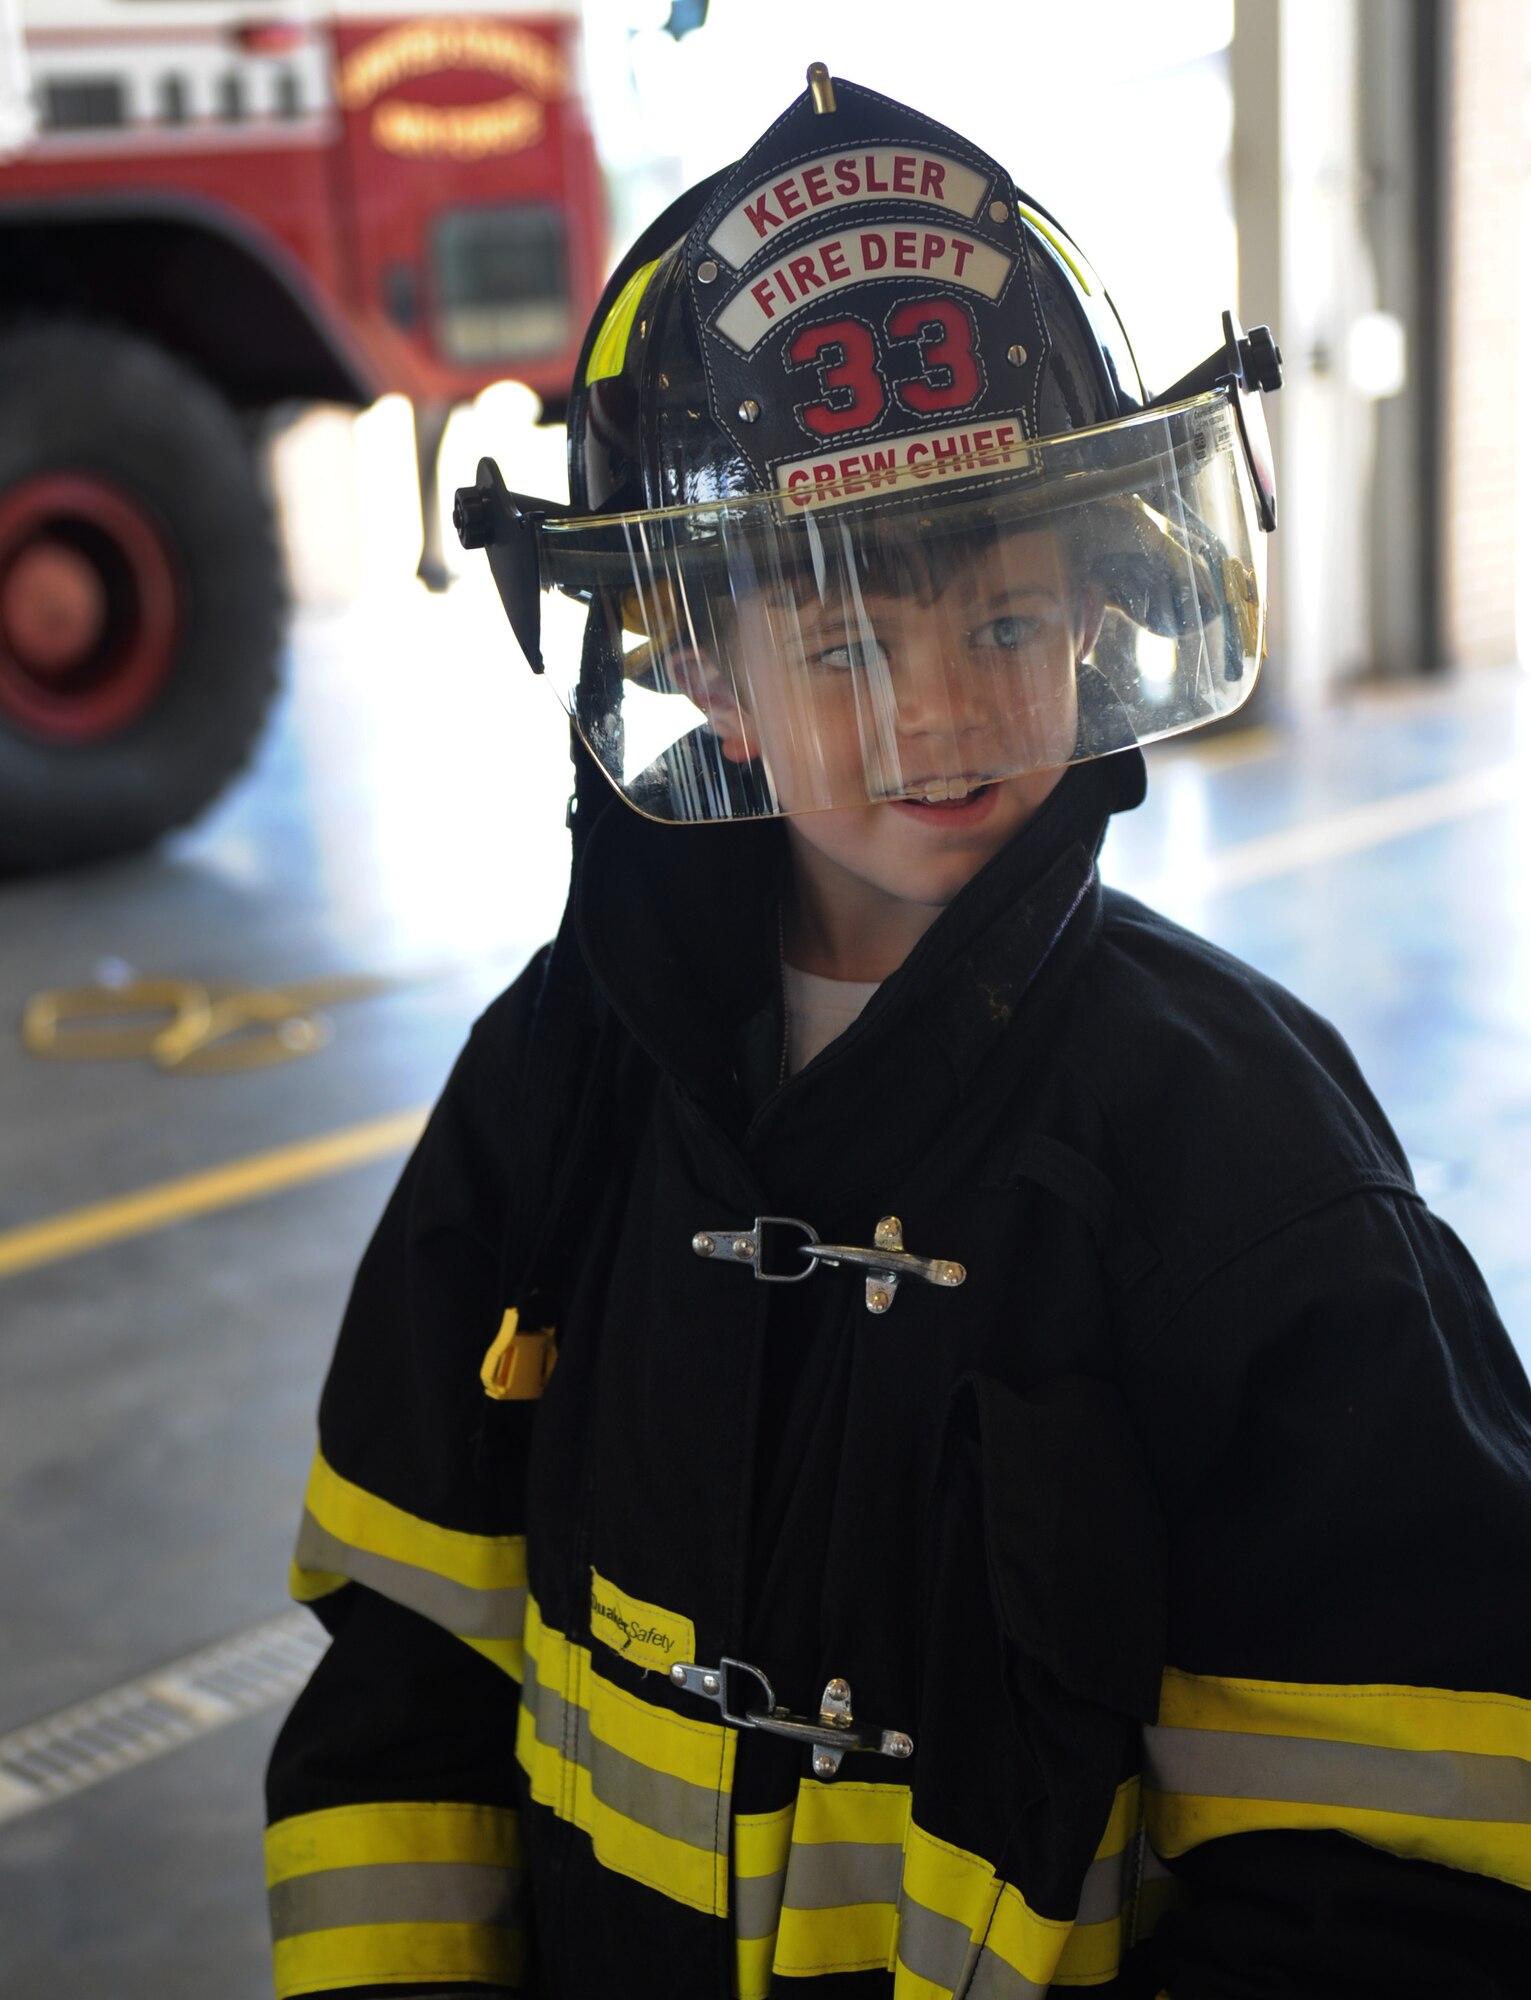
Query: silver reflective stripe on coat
[
  {"x": 937, "y": 1948},
  {"x": 834, "y": 1874},
  {"x": 994, "y": 1980},
  {"x": 400, "y": 1892},
  {"x": 1428, "y": 1784},
  {"x": 757, "y": 1904},
  {"x": 1109, "y": 1884},
  {"x": 654, "y": 1799},
  {"x": 943, "y": 1951},
  {"x": 457, "y": 1607}
]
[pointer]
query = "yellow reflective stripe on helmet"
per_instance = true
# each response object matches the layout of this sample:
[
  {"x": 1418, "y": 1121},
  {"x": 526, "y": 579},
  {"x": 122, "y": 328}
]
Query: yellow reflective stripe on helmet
[
  {"x": 471, "y": 1585},
  {"x": 1071, "y": 254},
  {"x": 650, "y": 1788},
  {"x": 403, "y": 1891},
  {"x": 610, "y": 349},
  {"x": 1431, "y": 1773}
]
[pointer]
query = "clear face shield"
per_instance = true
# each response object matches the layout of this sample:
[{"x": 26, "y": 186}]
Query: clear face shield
[{"x": 915, "y": 629}]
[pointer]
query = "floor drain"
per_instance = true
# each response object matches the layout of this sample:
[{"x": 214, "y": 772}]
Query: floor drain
[{"x": 111, "y": 1732}]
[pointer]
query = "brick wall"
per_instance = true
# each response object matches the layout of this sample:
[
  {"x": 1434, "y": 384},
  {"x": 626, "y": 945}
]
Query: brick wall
[{"x": 1486, "y": 157}]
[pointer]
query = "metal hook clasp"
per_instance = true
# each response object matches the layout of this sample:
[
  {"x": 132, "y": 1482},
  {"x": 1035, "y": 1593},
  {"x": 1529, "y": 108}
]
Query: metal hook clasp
[{"x": 885, "y": 1263}]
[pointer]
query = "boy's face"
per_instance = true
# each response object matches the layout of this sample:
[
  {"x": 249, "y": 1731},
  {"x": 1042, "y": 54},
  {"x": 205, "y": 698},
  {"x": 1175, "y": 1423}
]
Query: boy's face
[{"x": 935, "y": 686}]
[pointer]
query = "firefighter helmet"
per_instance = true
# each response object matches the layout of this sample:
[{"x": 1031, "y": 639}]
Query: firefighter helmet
[{"x": 868, "y": 501}]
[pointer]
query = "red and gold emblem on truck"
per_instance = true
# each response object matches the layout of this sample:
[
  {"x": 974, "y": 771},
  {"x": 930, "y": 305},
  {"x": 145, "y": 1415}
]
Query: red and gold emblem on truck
[{"x": 416, "y": 129}]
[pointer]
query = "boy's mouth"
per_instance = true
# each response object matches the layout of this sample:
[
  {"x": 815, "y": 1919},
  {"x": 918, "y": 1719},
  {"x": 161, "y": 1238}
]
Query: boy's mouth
[
  {"x": 951, "y": 797},
  {"x": 948, "y": 791}
]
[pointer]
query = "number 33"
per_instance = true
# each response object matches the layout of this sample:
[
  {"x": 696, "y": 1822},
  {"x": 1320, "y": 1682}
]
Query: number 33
[{"x": 844, "y": 354}]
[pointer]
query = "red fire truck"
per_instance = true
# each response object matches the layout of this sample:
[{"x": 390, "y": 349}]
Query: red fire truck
[{"x": 210, "y": 209}]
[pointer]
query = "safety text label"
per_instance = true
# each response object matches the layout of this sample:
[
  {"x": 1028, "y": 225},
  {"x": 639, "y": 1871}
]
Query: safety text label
[{"x": 641, "y": 1632}]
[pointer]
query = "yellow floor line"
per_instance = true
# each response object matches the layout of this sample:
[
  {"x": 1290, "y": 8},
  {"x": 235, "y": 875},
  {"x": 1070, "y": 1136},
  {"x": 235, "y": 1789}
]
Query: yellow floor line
[{"x": 100, "y": 1222}]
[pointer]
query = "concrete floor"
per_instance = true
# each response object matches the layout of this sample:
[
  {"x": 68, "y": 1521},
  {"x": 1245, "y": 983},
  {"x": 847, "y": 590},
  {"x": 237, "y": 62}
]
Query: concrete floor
[{"x": 405, "y": 817}]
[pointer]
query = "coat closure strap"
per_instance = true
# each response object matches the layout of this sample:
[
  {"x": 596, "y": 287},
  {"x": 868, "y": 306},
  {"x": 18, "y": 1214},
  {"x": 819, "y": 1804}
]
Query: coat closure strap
[
  {"x": 834, "y": 1732},
  {"x": 885, "y": 1263}
]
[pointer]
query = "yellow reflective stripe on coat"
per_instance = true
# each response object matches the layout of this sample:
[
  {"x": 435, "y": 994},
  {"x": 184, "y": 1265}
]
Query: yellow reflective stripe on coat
[
  {"x": 1431, "y": 1773},
  {"x": 1108, "y": 1918},
  {"x": 762, "y": 1842},
  {"x": 384, "y": 1894},
  {"x": 845, "y": 1880},
  {"x": 651, "y": 1789},
  {"x": 472, "y": 1585}
]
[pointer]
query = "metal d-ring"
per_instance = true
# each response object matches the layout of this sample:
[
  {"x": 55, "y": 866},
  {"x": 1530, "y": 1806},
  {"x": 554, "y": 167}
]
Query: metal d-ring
[{"x": 743, "y": 1246}]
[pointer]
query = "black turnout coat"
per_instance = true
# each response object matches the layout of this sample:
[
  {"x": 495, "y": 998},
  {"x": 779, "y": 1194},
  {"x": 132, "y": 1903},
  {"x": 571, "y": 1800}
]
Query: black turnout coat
[{"x": 1186, "y": 1541}]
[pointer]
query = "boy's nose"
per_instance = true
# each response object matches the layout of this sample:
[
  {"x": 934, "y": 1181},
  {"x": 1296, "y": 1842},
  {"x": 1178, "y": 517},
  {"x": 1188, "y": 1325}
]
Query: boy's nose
[{"x": 929, "y": 693}]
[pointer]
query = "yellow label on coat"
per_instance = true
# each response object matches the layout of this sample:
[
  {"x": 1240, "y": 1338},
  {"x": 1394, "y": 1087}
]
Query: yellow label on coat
[{"x": 642, "y": 1632}]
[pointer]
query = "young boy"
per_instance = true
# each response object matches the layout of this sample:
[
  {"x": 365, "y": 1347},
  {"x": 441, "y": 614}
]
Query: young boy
[{"x": 1028, "y": 1496}]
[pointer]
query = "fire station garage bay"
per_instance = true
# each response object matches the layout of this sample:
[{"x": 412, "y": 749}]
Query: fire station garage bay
[{"x": 282, "y": 807}]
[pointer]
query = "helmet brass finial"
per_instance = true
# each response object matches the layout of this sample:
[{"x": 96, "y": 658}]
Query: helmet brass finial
[{"x": 822, "y": 86}]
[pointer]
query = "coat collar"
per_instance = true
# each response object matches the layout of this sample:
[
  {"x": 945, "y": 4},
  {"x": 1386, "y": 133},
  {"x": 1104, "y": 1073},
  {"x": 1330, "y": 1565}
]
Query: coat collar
[{"x": 678, "y": 926}]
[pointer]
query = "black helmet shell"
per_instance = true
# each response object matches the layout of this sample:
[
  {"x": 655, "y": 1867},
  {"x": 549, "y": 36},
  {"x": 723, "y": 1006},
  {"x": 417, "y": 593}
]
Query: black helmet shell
[{"x": 862, "y": 286}]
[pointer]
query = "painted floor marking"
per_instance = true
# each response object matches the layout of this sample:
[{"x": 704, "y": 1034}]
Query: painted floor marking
[
  {"x": 167, "y": 1202},
  {"x": 1337, "y": 834},
  {"x": 128, "y": 1725}
]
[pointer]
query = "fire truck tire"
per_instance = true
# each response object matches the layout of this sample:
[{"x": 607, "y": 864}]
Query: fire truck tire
[{"x": 141, "y": 594}]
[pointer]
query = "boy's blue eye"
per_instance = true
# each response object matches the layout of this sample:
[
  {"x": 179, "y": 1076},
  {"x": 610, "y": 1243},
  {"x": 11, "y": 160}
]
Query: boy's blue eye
[
  {"x": 855, "y": 655},
  {"x": 1005, "y": 634}
]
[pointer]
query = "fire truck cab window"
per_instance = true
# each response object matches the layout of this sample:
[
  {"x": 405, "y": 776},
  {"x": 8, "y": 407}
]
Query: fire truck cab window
[
  {"x": 502, "y": 289},
  {"x": 289, "y": 94},
  {"x": 73, "y": 104},
  {"x": 172, "y": 100},
  {"x": 231, "y": 97}
]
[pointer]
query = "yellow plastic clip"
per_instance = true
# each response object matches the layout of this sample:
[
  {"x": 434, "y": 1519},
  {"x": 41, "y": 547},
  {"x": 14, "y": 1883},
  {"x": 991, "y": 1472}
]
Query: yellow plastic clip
[{"x": 518, "y": 1364}]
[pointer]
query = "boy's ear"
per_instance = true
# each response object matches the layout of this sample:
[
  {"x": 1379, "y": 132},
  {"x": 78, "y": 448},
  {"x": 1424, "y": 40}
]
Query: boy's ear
[
  {"x": 697, "y": 676},
  {"x": 1092, "y": 615}
]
